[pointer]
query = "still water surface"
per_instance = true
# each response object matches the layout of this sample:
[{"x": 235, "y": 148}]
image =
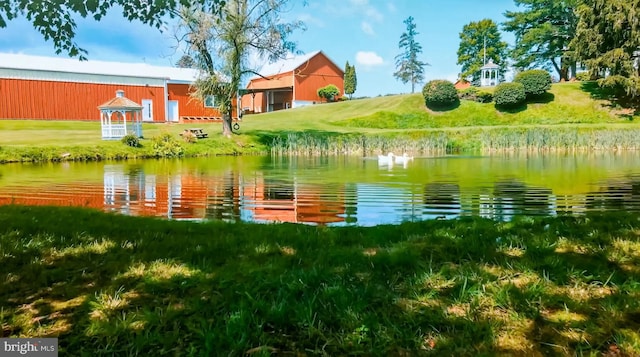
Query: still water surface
[{"x": 335, "y": 190}]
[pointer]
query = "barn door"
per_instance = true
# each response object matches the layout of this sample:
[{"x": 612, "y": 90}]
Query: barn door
[
  {"x": 173, "y": 111},
  {"x": 147, "y": 110}
]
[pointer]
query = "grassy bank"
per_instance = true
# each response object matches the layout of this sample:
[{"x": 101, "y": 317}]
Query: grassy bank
[
  {"x": 115, "y": 285},
  {"x": 569, "y": 118}
]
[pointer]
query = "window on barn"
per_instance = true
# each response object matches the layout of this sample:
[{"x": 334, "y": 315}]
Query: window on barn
[{"x": 210, "y": 102}]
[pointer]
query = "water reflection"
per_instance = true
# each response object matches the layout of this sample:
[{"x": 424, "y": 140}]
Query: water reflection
[{"x": 329, "y": 191}]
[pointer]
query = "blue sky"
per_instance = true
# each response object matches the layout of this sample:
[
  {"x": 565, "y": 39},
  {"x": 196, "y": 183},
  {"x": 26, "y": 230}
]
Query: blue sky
[{"x": 363, "y": 32}]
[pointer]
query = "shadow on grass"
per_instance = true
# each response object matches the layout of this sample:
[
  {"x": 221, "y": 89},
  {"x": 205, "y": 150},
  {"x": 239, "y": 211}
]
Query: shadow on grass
[
  {"x": 511, "y": 109},
  {"x": 626, "y": 108},
  {"x": 544, "y": 98},
  {"x": 114, "y": 285},
  {"x": 444, "y": 108}
]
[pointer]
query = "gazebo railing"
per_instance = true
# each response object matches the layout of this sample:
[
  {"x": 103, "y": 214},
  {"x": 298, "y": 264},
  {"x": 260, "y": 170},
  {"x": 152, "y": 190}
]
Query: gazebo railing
[{"x": 114, "y": 131}]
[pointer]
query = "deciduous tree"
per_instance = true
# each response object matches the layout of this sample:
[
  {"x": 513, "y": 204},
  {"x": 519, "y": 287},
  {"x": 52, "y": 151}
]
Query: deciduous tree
[
  {"x": 221, "y": 44},
  {"x": 543, "y": 30},
  {"x": 480, "y": 41},
  {"x": 409, "y": 69}
]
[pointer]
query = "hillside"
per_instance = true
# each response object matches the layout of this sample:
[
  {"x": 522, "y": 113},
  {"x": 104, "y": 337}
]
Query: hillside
[{"x": 567, "y": 103}]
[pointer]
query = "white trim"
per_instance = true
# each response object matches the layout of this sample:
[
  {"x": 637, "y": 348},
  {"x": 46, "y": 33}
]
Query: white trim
[{"x": 166, "y": 103}]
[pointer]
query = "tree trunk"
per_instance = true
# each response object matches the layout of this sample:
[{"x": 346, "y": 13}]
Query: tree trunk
[
  {"x": 574, "y": 70},
  {"x": 226, "y": 125}
]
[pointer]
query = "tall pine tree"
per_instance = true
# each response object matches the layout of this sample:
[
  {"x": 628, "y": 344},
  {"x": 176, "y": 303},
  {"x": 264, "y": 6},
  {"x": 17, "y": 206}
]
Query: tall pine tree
[
  {"x": 409, "y": 69},
  {"x": 350, "y": 80}
]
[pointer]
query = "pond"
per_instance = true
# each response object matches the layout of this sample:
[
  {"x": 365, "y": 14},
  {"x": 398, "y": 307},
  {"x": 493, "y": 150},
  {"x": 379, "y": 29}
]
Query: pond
[{"x": 335, "y": 191}]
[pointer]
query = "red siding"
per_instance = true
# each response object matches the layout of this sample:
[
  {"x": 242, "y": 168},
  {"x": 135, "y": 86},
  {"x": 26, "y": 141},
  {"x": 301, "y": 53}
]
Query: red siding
[
  {"x": 317, "y": 73},
  {"x": 188, "y": 106},
  {"x": 33, "y": 99}
]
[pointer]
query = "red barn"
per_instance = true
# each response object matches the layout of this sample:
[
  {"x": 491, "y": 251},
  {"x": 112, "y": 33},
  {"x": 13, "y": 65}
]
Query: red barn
[
  {"x": 291, "y": 82},
  {"x": 33, "y": 87}
]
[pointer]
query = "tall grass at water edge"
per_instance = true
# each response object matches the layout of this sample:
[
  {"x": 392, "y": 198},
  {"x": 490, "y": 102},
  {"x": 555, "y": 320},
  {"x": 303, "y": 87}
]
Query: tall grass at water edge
[{"x": 483, "y": 140}]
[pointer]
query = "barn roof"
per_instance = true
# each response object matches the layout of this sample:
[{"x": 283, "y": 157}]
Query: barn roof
[
  {"x": 287, "y": 64},
  {"x": 69, "y": 65}
]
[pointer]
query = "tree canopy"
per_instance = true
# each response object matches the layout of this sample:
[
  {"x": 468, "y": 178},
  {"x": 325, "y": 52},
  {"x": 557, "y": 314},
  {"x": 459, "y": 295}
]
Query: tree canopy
[
  {"x": 471, "y": 51},
  {"x": 543, "y": 30},
  {"x": 55, "y": 20},
  {"x": 409, "y": 69},
  {"x": 608, "y": 42},
  {"x": 221, "y": 44}
]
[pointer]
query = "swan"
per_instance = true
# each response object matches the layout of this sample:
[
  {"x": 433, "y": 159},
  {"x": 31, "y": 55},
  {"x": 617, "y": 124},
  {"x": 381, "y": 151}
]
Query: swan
[
  {"x": 386, "y": 159},
  {"x": 403, "y": 159}
]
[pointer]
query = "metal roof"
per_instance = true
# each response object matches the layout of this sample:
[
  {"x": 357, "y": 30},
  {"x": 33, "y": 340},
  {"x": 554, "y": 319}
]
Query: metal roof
[
  {"x": 285, "y": 65},
  {"x": 69, "y": 65}
]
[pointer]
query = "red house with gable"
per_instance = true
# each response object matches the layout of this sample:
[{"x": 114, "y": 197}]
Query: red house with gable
[{"x": 291, "y": 82}]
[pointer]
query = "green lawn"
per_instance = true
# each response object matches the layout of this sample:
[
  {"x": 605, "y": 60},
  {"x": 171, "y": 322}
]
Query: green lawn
[
  {"x": 569, "y": 117},
  {"x": 115, "y": 285}
]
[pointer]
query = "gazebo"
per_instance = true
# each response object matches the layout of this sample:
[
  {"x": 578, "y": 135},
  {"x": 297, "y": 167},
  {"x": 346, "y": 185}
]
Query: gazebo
[
  {"x": 489, "y": 74},
  {"x": 120, "y": 116}
]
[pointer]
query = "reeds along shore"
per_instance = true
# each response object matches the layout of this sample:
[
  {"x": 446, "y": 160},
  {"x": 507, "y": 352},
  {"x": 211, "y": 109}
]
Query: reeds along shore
[{"x": 484, "y": 141}]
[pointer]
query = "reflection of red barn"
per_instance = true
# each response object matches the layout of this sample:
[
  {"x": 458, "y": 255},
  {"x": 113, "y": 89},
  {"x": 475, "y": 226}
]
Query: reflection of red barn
[
  {"x": 291, "y": 83},
  {"x": 36, "y": 87}
]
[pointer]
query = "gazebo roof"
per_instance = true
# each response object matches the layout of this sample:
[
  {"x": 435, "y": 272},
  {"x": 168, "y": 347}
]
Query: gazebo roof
[
  {"x": 490, "y": 65},
  {"x": 120, "y": 102}
]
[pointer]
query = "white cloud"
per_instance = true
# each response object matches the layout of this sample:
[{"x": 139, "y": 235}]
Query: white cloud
[
  {"x": 374, "y": 14},
  {"x": 360, "y": 2},
  {"x": 368, "y": 58},
  {"x": 309, "y": 19},
  {"x": 367, "y": 28},
  {"x": 391, "y": 7}
]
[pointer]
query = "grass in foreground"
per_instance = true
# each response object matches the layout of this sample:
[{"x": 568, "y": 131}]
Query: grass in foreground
[{"x": 114, "y": 285}]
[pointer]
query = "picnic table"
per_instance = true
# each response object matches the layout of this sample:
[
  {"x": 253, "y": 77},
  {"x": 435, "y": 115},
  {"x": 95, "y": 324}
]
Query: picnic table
[{"x": 199, "y": 133}]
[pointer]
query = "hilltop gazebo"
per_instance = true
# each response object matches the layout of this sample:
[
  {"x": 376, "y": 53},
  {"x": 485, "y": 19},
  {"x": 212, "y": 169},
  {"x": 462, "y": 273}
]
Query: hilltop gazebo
[
  {"x": 489, "y": 74},
  {"x": 120, "y": 116}
]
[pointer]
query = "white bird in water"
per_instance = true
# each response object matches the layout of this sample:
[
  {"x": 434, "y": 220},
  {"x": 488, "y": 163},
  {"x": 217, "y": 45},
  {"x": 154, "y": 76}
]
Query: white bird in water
[
  {"x": 386, "y": 159},
  {"x": 403, "y": 159}
]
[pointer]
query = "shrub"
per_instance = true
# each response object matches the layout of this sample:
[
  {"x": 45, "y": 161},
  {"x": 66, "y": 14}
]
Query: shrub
[
  {"x": 509, "y": 95},
  {"x": 329, "y": 92},
  {"x": 583, "y": 76},
  {"x": 440, "y": 94},
  {"x": 476, "y": 95},
  {"x": 189, "y": 137},
  {"x": 131, "y": 140},
  {"x": 166, "y": 145},
  {"x": 535, "y": 81}
]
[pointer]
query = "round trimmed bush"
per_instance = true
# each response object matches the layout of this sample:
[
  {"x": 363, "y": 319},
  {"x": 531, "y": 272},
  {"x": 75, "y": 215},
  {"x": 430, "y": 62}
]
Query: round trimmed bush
[
  {"x": 440, "y": 94},
  {"x": 509, "y": 95},
  {"x": 535, "y": 81}
]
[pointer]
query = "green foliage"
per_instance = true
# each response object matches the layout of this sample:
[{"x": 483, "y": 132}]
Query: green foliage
[
  {"x": 329, "y": 92},
  {"x": 608, "y": 41},
  {"x": 509, "y": 95},
  {"x": 584, "y": 76},
  {"x": 535, "y": 81},
  {"x": 131, "y": 140},
  {"x": 476, "y": 95},
  {"x": 166, "y": 145},
  {"x": 350, "y": 79},
  {"x": 440, "y": 94},
  {"x": 56, "y": 20},
  {"x": 543, "y": 30},
  {"x": 471, "y": 51},
  {"x": 409, "y": 69}
]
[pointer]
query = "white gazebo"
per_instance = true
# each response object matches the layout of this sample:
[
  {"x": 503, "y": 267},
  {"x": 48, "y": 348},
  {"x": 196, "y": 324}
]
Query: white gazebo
[
  {"x": 489, "y": 74},
  {"x": 120, "y": 116}
]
